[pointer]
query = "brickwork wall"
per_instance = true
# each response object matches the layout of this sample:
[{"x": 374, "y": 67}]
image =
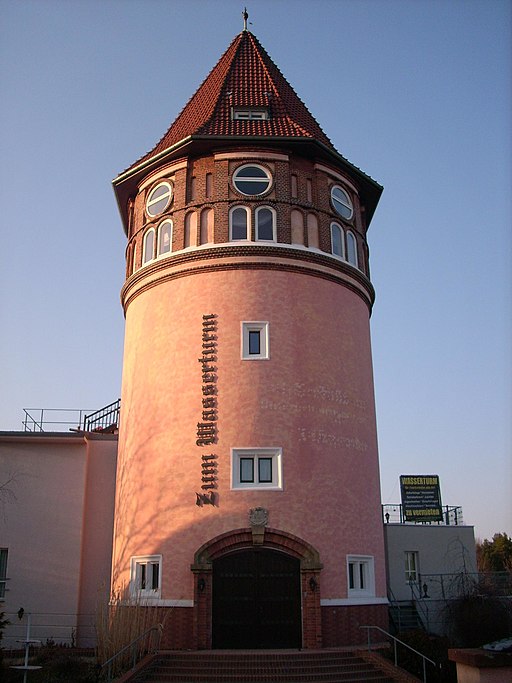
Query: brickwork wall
[
  {"x": 178, "y": 628},
  {"x": 224, "y": 196},
  {"x": 341, "y": 624}
]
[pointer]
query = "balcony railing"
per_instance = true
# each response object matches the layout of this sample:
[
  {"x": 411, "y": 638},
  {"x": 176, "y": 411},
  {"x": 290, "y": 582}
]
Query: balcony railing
[
  {"x": 394, "y": 514},
  {"x": 68, "y": 419}
]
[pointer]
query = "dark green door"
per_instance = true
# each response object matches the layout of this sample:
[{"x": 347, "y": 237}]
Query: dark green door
[{"x": 256, "y": 600}]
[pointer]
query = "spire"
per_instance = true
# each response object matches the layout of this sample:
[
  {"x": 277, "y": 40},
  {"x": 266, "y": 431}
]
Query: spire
[{"x": 244, "y": 77}]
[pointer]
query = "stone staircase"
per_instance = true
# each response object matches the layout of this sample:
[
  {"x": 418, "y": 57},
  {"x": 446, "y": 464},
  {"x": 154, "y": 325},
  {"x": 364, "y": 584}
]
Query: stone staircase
[{"x": 284, "y": 666}]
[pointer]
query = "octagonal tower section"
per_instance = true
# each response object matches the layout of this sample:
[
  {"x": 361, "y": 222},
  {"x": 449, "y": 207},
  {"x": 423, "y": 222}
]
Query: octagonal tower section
[{"x": 248, "y": 432}]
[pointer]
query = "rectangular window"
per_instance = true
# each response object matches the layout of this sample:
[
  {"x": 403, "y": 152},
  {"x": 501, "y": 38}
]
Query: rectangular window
[
  {"x": 3, "y": 572},
  {"x": 250, "y": 114},
  {"x": 411, "y": 566},
  {"x": 145, "y": 576},
  {"x": 256, "y": 468},
  {"x": 361, "y": 576},
  {"x": 247, "y": 470},
  {"x": 255, "y": 341},
  {"x": 264, "y": 470}
]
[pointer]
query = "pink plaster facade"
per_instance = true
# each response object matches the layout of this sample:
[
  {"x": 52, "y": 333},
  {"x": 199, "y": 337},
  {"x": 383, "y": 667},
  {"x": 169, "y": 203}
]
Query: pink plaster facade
[
  {"x": 57, "y": 530},
  {"x": 313, "y": 398}
]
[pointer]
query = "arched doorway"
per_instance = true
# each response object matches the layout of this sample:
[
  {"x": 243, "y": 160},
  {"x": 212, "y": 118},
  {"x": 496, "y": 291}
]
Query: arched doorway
[
  {"x": 256, "y": 600},
  {"x": 236, "y": 557}
]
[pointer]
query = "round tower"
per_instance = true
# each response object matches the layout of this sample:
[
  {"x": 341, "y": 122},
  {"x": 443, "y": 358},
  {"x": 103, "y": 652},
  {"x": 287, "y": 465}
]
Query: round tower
[{"x": 248, "y": 501}]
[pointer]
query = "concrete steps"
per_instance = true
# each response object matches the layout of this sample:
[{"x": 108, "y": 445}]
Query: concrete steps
[{"x": 326, "y": 666}]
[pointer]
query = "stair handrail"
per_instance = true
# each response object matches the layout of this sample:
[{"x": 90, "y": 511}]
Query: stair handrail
[
  {"x": 394, "y": 602},
  {"x": 395, "y": 640},
  {"x": 418, "y": 602},
  {"x": 158, "y": 627}
]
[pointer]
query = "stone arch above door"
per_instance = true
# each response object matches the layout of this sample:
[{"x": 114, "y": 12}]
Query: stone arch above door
[{"x": 239, "y": 539}]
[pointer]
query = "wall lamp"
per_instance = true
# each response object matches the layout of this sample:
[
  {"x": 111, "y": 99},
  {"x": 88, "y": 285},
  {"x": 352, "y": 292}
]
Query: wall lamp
[
  {"x": 201, "y": 585},
  {"x": 313, "y": 584}
]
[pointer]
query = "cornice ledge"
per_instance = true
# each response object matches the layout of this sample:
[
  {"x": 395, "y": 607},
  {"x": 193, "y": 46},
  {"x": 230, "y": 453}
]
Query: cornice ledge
[{"x": 174, "y": 266}]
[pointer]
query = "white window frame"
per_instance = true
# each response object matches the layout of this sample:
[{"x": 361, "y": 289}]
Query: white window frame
[
  {"x": 253, "y": 179},
  {"x": 159, "y": 253},
  {"x": 363, "y": 576},
  {"x": 337, "y": 226},
  {"x": 152, "y": 202},
  {"x": 136, "y": 564},
  {"x": 342, "y": 204},
  {"x": 144, "y": 246},
  {"x": 256, "y": 225},
  {"x": 250, "y": 113},
  {"x": 276, "y": 454},
  {"x": 411, "y": 568},
  {"x": 353, "y": 261},
  {"x": 248, "y": 233},
  {"x": 262, "y": 327}
]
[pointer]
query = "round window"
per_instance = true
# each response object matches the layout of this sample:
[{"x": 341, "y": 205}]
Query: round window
[
  {"x": 341, "y": 202},
  {"x": 252, "y": 180},
  {"x": 159, "y": 199}
]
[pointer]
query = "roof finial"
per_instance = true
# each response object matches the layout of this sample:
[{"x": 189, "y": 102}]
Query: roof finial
[{"x": 245, "y": 16}]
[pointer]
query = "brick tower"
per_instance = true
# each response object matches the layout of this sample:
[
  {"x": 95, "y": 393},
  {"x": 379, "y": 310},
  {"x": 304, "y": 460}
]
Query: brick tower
[{"x": 248, "y": 501}]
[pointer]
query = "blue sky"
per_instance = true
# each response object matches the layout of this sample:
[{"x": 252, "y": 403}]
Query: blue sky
[{"x": 417, "y": 93}]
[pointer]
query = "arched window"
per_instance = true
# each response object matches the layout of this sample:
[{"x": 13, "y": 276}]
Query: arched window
[
  {"x": 297, "y": 222},
  {"x": 312, "y": 222},
  {"x": 239, "y": 224},
  {"x": 165, "y": 238},
  {"x": 191, "y": 229},
  {"x": 337, "y": 245},
  {"x": 148, "y": 251},
  {"x": 134, "y": 259},
  {"x": 351, "y": 249},
  {"x": 206, "y": 226},
  {"x": 265, "y": 224}
]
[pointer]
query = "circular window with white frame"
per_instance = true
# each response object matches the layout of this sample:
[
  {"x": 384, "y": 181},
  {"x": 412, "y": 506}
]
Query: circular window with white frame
[
  {"x": 159, "y": 199},
  {"x": 252, "y": 180},
  {"x": 341, "y": 202}
]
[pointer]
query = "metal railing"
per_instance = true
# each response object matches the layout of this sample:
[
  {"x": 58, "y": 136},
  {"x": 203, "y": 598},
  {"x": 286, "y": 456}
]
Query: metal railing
[
  {"x": 454, "y": 585},
  {"x": 394, "y": 514},
  {"x": 53, "y": 419},
  {"x": 106, "y": 418},
  {"x": 72, "y": 419},
  {"x": 133, "y": 652},
  {"x": 418, "y": 600},
  {"x": 397, "y": 641}
]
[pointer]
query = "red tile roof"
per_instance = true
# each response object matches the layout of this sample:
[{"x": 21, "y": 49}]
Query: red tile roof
[{"x": 244, "y": 76}]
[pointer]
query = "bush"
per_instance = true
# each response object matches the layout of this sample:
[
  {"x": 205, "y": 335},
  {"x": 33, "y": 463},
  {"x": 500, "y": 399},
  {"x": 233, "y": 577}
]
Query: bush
[{"x": 474, "y": 620}]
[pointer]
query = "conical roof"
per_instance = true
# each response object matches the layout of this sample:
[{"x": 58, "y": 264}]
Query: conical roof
[{"x": 245, "y": 76}]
